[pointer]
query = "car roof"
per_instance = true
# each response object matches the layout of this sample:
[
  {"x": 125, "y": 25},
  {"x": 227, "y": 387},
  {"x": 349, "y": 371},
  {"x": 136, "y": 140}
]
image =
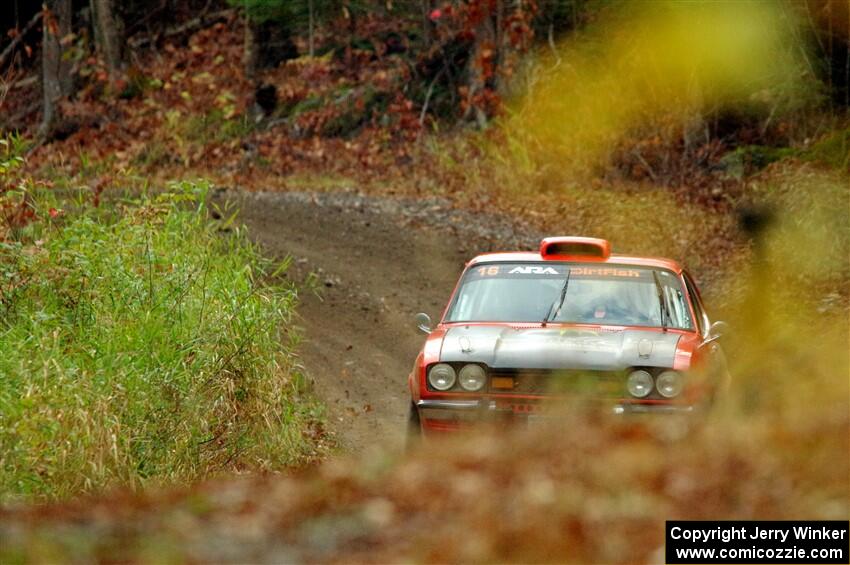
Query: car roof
[{"x": 527, "y": 256}]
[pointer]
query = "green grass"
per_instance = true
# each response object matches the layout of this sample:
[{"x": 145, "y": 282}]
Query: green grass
[
  {"x": 833, "y": 150},
  {"x": 143, "y": 343},
  {"x": 214, "y": 127}
]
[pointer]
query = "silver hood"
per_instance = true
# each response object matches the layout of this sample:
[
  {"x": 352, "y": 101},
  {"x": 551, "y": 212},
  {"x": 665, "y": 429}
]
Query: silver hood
[{"x": 501, "y": 347}]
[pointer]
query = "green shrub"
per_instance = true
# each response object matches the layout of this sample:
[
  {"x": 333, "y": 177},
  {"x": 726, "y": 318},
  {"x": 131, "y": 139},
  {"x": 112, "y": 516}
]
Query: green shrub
[{"x": 144, "y": 344}]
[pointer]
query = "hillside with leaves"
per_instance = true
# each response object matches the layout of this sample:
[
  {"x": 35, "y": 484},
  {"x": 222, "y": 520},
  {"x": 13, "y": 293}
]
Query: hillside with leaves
[{"x": 381, "y": 108}]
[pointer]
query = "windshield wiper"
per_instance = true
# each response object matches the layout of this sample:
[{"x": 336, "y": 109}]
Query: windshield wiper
[
  {"x": 665, "y": 317},
  {"x": 559, "y": 302}
]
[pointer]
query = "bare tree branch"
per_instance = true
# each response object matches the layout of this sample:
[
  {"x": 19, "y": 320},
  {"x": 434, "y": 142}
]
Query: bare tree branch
[
  {"x": 19, "y": 38},
  {"x": 193, "y": 24}
]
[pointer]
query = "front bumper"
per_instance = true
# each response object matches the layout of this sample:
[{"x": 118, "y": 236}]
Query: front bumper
[{"x": 445, "y": 415}]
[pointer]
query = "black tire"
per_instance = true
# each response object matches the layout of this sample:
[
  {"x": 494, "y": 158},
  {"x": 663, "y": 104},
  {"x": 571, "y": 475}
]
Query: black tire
[{"x": 414, "y": 428}]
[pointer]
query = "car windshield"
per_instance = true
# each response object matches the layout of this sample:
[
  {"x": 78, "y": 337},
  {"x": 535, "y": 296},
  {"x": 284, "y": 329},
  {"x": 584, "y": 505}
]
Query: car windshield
[{"x": 596, "y": 294}]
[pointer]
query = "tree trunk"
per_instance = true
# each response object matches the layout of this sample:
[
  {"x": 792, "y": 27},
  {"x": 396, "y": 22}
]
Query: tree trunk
[
  {"x": 251, "y": 49},
  {"x": 56, "y": 72},
  {"x": 495, "y": 54},
  {"x": 109, "y": 35},
  {"x": 348, "y": 13},
  {"x": 482, "y": 66},
  {"x": 427, "y": 24},
  {"x": 94, "y": 25},
  {"x": 266, "y": 44},
  {"x": 311, "y": 46}
]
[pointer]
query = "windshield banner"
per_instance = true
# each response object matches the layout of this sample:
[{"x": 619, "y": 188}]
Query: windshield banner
[{"x": 557, "y": 270}]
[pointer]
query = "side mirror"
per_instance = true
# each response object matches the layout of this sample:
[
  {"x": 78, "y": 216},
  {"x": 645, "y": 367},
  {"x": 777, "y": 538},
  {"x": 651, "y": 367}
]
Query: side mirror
[
  {"x": 423, "y": 322},
  {"x": 717, "y": 330}
]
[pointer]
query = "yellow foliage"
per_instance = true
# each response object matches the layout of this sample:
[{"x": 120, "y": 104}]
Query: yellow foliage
[{"x": 653, "y": 63}]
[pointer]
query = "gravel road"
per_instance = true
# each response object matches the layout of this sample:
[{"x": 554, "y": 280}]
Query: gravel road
[{"x": 377, "y": 262}]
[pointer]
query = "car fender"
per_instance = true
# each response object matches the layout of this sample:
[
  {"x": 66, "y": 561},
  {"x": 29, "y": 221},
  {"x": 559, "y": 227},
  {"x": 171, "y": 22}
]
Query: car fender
[{"x": 429, "y": 354}]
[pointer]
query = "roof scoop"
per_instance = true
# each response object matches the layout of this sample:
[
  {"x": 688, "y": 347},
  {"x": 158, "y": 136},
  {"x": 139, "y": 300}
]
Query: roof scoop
[{"x": 584, "y": 248}]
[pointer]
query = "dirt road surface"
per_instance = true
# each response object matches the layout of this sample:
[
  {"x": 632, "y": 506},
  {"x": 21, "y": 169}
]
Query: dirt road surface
[{"x": 376, "y": 263}]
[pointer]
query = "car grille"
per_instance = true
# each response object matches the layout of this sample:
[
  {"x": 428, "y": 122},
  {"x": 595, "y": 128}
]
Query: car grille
[{"x": 555, "y": 382}]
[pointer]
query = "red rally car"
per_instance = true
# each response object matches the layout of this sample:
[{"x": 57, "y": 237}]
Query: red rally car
[{"x": 522, "y": 328}]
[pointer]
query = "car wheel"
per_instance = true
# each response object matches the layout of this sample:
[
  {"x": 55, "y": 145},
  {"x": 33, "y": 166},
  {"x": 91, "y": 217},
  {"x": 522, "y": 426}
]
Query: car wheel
[{"x": 414, "y": 429}]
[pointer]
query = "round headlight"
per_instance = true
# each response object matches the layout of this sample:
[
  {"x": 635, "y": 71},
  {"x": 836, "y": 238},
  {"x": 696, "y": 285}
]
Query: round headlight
[
  {"x": 472, "y": 377},
  {"x": 669, "y": 384},
  {"x": 639, "y": 384},
  {"x": 442, "y": 376}
]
